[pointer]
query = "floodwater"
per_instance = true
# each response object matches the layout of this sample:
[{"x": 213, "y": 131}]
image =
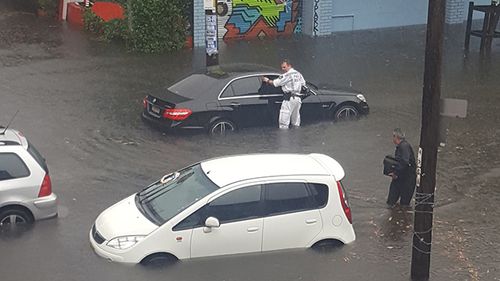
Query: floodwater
[{"x": 79, "y": 102}]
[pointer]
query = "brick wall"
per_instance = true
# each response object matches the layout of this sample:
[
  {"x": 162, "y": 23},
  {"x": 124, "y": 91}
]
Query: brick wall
[
  {"x": 456, "y": 11},
  {"x": 198, "y": 24},
  {"x": 324, "y": 21}
]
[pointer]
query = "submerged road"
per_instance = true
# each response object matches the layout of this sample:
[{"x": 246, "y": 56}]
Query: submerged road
[{"x": 79, "y": 102}]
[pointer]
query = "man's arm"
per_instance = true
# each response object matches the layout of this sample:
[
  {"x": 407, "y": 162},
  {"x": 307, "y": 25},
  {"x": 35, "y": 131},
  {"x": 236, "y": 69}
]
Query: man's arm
[{"x": 278, "y": 82}]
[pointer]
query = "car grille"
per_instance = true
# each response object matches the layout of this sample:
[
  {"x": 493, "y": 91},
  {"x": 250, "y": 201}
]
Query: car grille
[{"x": 97, "y": 236}]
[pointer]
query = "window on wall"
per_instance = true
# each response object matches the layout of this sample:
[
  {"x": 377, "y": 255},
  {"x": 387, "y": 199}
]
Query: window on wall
[{"x": 12, "y": 167}]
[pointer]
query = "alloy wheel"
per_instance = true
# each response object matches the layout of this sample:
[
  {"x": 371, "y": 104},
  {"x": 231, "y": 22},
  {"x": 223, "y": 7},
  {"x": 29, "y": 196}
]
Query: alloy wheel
[
  {"x": 222, "y": 128},
  {"x": 346, "y": 113}
]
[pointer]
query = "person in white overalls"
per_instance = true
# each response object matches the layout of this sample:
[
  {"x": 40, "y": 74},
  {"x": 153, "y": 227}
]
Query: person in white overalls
[{"x": 291, "y": 82}]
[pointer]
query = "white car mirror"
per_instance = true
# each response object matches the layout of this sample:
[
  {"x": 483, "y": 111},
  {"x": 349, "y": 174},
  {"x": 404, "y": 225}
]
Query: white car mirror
[
  {"x": 209, "y": 223},
  {"x": 212, "y": 222}
]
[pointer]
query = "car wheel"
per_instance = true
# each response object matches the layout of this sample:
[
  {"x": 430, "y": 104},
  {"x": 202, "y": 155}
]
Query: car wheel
[
  {"x": 327, "y": 245},
  {"x": 159, "y": 259},
  {"x": 346, "y": 112},
  {"x": 12, "y": 218},
  {"x": 221, "y": 127}
]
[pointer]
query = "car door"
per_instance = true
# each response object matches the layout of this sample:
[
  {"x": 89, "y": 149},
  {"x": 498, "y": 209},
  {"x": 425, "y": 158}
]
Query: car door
[
  {"x": 242, "y": 96},
  {"x": 273, "y": 97},
  {"x": 313, "y": 108},
  {"x": 289, "y": 218},
  {"x": 240, "y": 215}
]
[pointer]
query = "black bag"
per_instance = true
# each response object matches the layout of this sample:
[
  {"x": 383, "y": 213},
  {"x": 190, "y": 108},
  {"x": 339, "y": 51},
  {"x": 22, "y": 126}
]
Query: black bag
[{"x": 389, "y": 164}]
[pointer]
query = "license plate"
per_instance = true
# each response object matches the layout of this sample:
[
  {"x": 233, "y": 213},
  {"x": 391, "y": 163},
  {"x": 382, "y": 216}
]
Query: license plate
[{"x": 155, "y": 109}]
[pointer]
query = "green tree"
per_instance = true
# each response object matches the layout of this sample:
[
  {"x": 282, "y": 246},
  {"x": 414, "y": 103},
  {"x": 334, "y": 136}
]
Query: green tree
[{"x": 157, "y": 25}]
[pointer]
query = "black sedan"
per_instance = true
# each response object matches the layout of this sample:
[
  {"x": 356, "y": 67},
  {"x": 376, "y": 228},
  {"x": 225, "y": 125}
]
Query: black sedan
[{"x": 222, "y": 102}]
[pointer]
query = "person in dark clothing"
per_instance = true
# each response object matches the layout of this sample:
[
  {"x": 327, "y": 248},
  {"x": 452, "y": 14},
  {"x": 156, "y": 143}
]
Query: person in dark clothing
[{"x": 403, "y": 177}]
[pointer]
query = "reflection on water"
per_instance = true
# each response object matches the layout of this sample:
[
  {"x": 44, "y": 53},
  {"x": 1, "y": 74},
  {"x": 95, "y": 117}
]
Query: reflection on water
[{"x": 397, "y": 225}]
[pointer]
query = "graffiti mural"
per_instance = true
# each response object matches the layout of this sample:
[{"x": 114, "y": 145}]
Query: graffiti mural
[{"x": 248, "y": 19}]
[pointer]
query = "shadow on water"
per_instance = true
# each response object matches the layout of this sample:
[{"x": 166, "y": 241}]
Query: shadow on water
[{"x": 11, "y": 232}]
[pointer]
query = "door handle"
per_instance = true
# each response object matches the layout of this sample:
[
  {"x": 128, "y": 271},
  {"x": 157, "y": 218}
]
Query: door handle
[
  {"x": 311, "y": 221},
  {"x": 252, "y": 229},
  {"x": 236, "y": 104}
]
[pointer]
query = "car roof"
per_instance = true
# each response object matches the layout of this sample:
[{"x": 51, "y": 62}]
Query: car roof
[
  {"x": 200, "y": 85},
  {"x": 12, "y": 137},
  {"x": 230, "y": 169}
]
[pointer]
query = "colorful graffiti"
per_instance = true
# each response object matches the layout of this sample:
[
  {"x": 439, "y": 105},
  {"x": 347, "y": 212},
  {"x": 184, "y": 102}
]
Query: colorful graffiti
[{"x": 248, "y": 19}]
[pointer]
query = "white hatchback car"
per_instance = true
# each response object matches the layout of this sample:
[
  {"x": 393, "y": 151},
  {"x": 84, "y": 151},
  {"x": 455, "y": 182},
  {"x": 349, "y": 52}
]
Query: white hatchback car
[{"x": 229, "y": 205}]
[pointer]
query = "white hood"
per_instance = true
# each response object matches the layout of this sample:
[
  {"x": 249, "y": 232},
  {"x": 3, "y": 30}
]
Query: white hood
[{"x": 123, "y": 219}]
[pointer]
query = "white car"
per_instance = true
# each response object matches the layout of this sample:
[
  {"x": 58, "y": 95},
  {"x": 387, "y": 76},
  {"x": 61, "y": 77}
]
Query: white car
[{"x": 229, "y": 205}]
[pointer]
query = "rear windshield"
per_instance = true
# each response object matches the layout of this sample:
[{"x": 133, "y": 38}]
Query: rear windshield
[
  {"x": 167, "y": 197},
  {"x": 196, "y": 85},
  {"x": 38, "y": 157}
]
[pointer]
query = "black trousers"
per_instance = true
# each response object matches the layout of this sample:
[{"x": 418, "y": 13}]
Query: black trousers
[{"x": 402, "y": 189}]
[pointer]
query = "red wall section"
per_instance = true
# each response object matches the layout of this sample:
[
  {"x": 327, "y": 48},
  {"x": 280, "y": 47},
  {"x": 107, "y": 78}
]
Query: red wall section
[
  {"x": 75, "y": 14},
  {"x": 108, "y": 10}
]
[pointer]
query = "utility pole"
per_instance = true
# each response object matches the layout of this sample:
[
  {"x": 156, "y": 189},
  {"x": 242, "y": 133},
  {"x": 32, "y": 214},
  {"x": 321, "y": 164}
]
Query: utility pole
[{"x": 427, "y": 153}]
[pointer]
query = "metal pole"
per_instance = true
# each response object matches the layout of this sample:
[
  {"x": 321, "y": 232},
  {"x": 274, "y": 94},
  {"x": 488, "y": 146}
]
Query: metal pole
[{"x": 427, "y": 155}]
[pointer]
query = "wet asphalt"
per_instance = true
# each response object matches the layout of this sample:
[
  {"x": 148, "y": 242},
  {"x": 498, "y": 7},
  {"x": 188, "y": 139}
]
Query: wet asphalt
[{"x": 80, "y": 100}]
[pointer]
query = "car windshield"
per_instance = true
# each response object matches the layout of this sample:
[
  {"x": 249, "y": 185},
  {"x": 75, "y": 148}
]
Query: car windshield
[{"x": 173, "y": 193}]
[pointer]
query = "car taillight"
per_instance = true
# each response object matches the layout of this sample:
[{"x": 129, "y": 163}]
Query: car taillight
[
  {"x": 344, "y": 202},
  {"x": 46, "y": 188},
  {"x": 145, "y": 102},
  {"x": 177, "y": 114}
]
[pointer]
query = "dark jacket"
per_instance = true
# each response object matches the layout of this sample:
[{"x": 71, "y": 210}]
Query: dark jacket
[{"x": 405, "y": 158}]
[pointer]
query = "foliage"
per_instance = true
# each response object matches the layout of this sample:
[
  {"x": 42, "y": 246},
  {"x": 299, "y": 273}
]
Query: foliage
[
  {"x": 157, "y": 25},
  {"x": 92, "y": 22},
  {"x": 150, "y": 26},
  {"x": 49, "y": 6},
  {"x": 115, "y": 29}
]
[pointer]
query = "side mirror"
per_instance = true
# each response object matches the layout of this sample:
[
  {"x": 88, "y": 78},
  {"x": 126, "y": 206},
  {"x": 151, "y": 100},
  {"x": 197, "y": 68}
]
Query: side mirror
[{"x": 210, "y": 222}]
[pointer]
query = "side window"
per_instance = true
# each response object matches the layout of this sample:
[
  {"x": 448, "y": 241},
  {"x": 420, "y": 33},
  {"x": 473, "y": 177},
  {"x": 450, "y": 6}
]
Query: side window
[
  {"x": 266, "y": 89},
  {"x": 228, "y": 92},
  {"x": 246, "y": 86},
  {"x": 12, "y": 167},
  {"x": 286, "y": 198},
  {"x": 240, "y": 204},
  {"x": 192, "y": 221},
  {"x": 319, "y": 193}
]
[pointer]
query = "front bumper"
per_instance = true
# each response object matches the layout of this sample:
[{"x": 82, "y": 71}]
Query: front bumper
[
  {"x": 364, "y": 108},
  {"x": 98, "y": 249}
]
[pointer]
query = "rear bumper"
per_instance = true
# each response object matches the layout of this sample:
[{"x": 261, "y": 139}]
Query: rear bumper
[
  {"x": 169, "y": 125},
  {"x": 44, "y": 207}
]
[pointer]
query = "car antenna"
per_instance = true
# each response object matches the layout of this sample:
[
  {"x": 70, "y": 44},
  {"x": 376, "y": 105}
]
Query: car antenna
[{"x": 12, "y": 119}]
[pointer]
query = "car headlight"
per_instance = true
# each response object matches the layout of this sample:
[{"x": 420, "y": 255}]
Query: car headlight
[
  {"x": 125, "y": 242},
  {"x": 361, "y": 97}
]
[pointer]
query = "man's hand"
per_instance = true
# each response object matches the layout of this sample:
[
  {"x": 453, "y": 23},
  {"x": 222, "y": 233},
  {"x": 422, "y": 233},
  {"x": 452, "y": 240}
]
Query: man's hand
[
  {"x": 265, "y": 79},
  {"x": 393, "y": 176}
]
